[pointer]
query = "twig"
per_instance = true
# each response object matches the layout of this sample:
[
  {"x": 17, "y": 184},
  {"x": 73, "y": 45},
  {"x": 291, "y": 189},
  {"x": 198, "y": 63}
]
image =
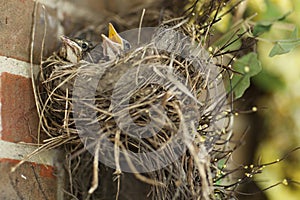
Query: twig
[
  {"x": 95, "y": 170},
  {"x": 140, "y": 25}
]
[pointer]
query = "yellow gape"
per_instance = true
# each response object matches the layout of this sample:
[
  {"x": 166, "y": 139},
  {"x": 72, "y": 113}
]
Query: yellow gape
[{"x": 114, "y": 36}]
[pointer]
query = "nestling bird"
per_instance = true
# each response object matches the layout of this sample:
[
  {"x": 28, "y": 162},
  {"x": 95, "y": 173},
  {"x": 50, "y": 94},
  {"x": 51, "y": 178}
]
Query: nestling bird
[{"x": 74, "y": 50}]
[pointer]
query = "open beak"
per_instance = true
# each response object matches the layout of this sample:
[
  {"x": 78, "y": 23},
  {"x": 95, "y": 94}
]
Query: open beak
[
  {"x": 114, "y": 36},
  {"x": 113, "y": 45}
]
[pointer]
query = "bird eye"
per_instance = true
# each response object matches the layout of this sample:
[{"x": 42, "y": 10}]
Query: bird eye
[
  {"x": 127, "y": 46},
  {"x": 84, "y": 46}
]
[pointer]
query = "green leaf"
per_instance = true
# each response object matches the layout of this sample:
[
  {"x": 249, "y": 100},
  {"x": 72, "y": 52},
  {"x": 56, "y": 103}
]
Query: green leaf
[
  {"x": 249, "y": 66},
  {"x": 228, "y": 38},
  {"x": 262, "y": 27},
  {"x": 265, "y": 26},
  {"x": 284, "y": 46},
  {"x": 283, "y": 17},
  {"x": 294, "y": 34}
]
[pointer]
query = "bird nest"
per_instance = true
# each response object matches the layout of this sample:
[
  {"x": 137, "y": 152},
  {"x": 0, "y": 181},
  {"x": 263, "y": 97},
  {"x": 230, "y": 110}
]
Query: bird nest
[
  {"x": 160, "y": 105},
  {"x": 159, "y": 110}
]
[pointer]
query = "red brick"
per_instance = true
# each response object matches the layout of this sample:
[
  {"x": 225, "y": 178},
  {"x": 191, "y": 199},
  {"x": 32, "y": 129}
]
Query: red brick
[
  {"x": 27, "y": 182},
  {"x": 47, "y": 171},
  {"x": 16, "y": 27},
  {"x": 18, "y": 111}
]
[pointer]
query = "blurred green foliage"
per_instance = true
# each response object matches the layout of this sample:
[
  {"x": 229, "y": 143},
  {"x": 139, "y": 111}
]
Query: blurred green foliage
[{"x": 275, "y": 27}]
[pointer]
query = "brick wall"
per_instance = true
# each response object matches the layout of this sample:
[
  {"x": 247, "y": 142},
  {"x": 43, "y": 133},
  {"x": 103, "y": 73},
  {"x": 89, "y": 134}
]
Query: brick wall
[
  {"x": 38, "y": 178},
  {"x": 41, "y": 176}
]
